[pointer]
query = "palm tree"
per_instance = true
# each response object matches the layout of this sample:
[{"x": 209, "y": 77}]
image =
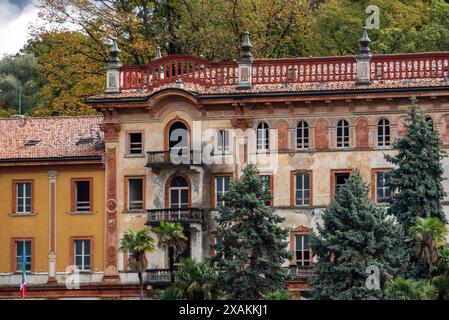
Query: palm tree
[
  {"x": 196, "y": 281},
  {"x": 440, "y": 274},
  {"x": 410, "y": 289},
  {"x": 429, "y": 235},
  {"x": 281, "y": 294},
  {"x": 137, "y": 245},
  {"x": 172, "y": 239}
]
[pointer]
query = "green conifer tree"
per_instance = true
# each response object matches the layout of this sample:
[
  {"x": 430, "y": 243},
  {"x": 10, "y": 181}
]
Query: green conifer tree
[
  {"x": 253, "y": 246},
  {"x": 417, "y": 178},
  {"x": 354, "y": 235}
]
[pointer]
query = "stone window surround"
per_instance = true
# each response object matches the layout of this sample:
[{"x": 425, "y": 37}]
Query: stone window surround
[
  {"x": 14, "y": 240},
  {"x": 72, "y": 251},
  {"x": 73, "y": 195},
  {"x": 144, "y": 187},
  {"x": 14, "y": 197},
  {"x": 293, "y": 174}
]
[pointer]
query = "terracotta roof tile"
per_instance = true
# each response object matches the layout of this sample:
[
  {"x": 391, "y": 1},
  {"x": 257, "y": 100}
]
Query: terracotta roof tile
[{"x": 50, "y": 137}]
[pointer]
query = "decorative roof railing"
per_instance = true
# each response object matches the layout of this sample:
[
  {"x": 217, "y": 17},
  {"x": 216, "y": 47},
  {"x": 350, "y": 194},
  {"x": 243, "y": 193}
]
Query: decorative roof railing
[
  {"x": 410, "y": 66},
  {"x": 195, "y": 70},
  {"x": 188, "y": 69}
]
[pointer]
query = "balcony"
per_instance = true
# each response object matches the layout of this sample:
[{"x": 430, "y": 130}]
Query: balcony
[
  {"x": 158, "y": 276},
  {"x": 184, "y": 215},
  {"x": 300, "y": 273},
  {"x": 158, "y": 160}
]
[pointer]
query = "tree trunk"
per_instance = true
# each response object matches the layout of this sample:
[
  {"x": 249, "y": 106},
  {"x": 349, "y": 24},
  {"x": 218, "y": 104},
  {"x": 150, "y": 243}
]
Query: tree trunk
[
  {"x": 141, "y": 284},
  {"x": 171, "y": 262}
]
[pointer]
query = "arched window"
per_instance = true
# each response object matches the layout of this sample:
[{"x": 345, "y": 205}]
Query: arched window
[
  {"x": 342, "y": 134},
  {"x": 383, "y": 133},
  {"x": 178, "y": 136},
  {"x": 179, "y": 193},
  {"x": 263, "y": 136},
  {"x": 302, "y": 135}
]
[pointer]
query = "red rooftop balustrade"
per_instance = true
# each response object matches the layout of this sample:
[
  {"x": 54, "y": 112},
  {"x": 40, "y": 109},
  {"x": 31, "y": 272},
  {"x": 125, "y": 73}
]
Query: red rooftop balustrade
[
  {"x": 190, "y": 69},
  {"x": 410, "y": 66}
]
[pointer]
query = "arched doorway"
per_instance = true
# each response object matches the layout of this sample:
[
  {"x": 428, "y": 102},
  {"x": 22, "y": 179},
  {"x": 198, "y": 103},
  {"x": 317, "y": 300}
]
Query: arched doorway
[
  {"x": 179, "y": 198},
  {"x": 178, "y": 136}
]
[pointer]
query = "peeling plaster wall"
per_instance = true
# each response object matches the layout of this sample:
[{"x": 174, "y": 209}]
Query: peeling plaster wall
[{"x": 323, "y": 159}]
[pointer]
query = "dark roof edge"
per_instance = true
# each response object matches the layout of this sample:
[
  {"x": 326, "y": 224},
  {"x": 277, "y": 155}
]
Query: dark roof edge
[
  {"x": 322, "y": 92},
  {"x": 52, "y": 159},
  {"x": 273, "y": 94}
]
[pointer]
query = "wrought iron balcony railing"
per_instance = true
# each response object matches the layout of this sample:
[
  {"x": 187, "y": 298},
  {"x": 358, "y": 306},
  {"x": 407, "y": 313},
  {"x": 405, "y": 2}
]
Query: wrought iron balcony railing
[
  {"x": 183, "y": 215},
  {"x": 158, "y": 160},
  {"x": 300, "y": 273}
]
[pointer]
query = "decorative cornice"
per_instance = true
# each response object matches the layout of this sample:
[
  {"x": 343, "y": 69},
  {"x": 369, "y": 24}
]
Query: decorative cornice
[
  {"x": 242, "y": 123},
  {"x": 111, "y": 131},
  {"x": 52, "y": 176}
]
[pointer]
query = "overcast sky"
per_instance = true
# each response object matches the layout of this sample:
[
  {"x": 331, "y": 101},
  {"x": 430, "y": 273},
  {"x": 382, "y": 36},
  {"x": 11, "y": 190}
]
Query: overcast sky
[{"x": 15, "y": 17}]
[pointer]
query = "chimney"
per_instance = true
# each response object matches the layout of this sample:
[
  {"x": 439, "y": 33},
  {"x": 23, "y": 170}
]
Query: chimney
[
  {"x": 113, "y": 69},
  {"x": 244, "y": 63},
  {"x": 364, "y": 60}
]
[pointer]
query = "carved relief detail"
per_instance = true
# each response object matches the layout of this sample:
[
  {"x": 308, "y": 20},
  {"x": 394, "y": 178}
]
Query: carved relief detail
[
  {"x": 111, "y": 205},
  {"x": 362, "y": 133},
  {"x": 111, "y": 131},
  {"x": 111, "y": 255},
  {"x": 321, "y": 135},
  {"x": 402, "y": 126},
  {"x": 242, "y": 123}
]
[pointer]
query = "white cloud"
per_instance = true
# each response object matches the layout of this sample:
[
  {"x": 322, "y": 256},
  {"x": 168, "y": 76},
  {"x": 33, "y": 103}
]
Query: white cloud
[{"x": 14, "y": 25}]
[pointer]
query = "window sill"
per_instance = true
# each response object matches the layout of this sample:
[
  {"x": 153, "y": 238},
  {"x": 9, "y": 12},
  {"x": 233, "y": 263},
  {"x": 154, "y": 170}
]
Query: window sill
[
  {"x": 383, "y": 148},
  {"x": 31, "y": 214},
  {"x": 300, "y": 267},
  {"x": 136, "y": 155},
  {"x": 223, "y": 153},
  {"x": 81, "y": 213},
  {"x": 134, "y": 211}
]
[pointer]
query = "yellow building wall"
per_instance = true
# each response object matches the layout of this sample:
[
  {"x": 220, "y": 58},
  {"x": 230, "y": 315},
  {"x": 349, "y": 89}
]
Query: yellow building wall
[{"x": 37, "y": 226}]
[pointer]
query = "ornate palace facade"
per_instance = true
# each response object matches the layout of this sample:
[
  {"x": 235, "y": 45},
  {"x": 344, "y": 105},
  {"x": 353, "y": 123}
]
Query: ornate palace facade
[{"x": 174, "y": 132}]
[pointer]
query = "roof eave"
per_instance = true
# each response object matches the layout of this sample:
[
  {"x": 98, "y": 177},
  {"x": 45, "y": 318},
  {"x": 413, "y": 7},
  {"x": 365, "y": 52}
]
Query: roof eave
[{"x": 273, "y": 94}]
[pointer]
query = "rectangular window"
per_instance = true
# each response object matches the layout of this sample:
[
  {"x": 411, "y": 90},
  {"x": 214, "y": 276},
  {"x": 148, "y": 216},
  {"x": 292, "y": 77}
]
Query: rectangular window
[
  {"x": 23, "y": 251},
  {"x": 135, "y": 193},
  {"x": 340, "y": 180},
  {"x": 222, "y": 141},
  {"x": 267, "y": 183},
  {"x": 302, "y": 189},
  {"x": 82, "y": 255},
  {"x": 135, "y": 142},
  {"x": 23, "y": 197},
  {"x": 221, "y": 187},
  {"x": 302, "y": 250},
  {"x": 82, "y": 193},
  {"x": 382, "y": 190}
]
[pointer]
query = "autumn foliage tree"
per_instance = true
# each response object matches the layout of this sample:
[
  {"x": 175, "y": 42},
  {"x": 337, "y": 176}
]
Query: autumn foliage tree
[
  {"x": 72, "y": 44},
  {"x": 71, "y": 72}
]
